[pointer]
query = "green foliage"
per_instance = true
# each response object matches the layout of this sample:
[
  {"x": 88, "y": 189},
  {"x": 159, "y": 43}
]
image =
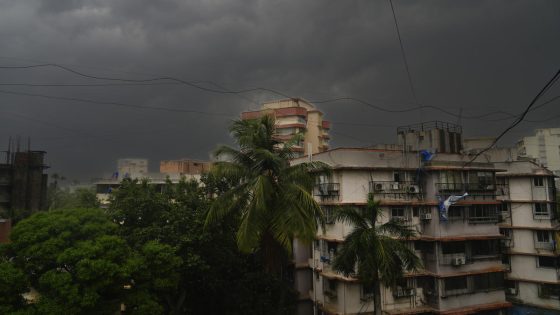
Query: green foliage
[
  {"x": 198, "y": 271},
  {"x": 65, "y": 199},
  {"x": 272, "y": 199},
  {"x": 73, "y": 259},
  {"x": 13, "y": 283}
]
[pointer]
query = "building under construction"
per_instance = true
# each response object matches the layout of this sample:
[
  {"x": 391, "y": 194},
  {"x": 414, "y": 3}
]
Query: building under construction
[{"x": 23, "y": 185}]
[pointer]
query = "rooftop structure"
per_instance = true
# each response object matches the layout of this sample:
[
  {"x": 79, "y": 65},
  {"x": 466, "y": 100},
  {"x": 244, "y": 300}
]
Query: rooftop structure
[
  {"x": 543, "y": 146},
  {"x": 184, "y": 166}
]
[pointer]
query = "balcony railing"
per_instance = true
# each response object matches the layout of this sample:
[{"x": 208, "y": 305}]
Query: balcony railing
[
  {"x": 327, "y": 191},
  {"x": 544, "y": 245},
  {"x": 452, "y": 187}
]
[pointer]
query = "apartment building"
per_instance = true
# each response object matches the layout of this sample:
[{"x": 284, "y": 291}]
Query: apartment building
[
  {"x": 463, "y": 271},
  {"x": 543, "y": 146},
  {"x": 295, "y": 116}
]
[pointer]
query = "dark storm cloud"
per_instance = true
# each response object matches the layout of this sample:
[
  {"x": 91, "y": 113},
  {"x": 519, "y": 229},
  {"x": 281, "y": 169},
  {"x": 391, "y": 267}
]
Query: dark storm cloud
[{"x": 475, "y": 55}]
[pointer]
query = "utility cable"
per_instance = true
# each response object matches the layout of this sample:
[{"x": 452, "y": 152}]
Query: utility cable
[
  {"x": 222, "y": 90},
  {"x": 74, "y": 99},
  {"x": 549, "y": 84},
  {"x": 403, "y": 54}
]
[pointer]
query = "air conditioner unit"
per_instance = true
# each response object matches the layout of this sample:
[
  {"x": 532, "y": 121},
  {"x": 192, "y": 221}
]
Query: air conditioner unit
[
  {"x": 458, "y": 261},
  {"x": 378, "y": 187},
  {"x": 395, "y": 186},
  {"x": 403, "y": 292},
  {"x": 426, "y": 216},
  {"x": 413, "y": 189}
]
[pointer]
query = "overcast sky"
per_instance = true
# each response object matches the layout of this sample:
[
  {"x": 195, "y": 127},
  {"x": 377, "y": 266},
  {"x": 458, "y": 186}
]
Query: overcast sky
[{"x": 472, "y": 57}]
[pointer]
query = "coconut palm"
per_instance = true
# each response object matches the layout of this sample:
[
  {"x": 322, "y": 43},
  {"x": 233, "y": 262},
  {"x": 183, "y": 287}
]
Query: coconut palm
[
  {"x": 272, "y": 197},
  {"x": 379, "y": 251}
]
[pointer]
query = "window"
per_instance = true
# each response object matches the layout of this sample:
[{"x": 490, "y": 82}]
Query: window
[
  {"x": 397, "y": 213},
  {"x": 488, "y": 281},
  {"x": 483, "y": 214},
  {"x": 328, "y": 212},
  {"x": 541, "y": 210},
  {"x": 415, "y": 212},
  {"x": 452, "y": 247},
  {"x": 485, "y": 248},
  {"x": 543, "y": 236},
  {"x": 329, "y": 288},
  {"x": 538, "y": 182},
  {"x": 455, "y": 213},
  {"x": 546, "y": 262},
  {"x": 366, "y": 292},
  {"x": 455, "y": 285},
  {"x": 511, "y": 287},
  {"x": 549, "y": 291}
]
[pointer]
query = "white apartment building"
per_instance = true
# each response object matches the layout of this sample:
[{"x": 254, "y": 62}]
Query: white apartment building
[
  {"x": 543, "y": 146},
  {"x": 463, "y": 271},
  {"x": 530, "y": 228}
]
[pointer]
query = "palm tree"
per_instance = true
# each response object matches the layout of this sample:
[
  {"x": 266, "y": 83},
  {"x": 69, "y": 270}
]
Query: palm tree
[
  {"x": 272, "y": 198},
  {"x": 379, "y": 252}
]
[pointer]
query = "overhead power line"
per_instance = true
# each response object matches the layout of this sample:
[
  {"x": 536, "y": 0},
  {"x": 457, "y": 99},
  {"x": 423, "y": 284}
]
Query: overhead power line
[
  {"x": 81, "y": 100},
  {"x": 547, "y": 86},
  {"x": 403, "y": 54},
  {"x": 222, "y": 90}
]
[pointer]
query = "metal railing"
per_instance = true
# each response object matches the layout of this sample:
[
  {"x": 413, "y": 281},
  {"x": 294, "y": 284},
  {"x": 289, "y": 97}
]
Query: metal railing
[
  {"x": 327, "y": 190},
  {"x": 442, "y": 187},
  {"x": 544, "y": 245},
  {"x": 402, "y": 189}
]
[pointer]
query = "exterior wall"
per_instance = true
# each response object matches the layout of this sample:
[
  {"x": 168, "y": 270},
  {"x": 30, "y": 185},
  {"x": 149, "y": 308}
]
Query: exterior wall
[
  {"x": 134, "y": 168},
  {"x": 544, "y": 146},
  {"x": 185, "y": 166},
  {"x": 528, "y": 292}
]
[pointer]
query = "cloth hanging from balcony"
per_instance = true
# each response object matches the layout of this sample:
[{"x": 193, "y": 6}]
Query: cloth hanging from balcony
[{"x": 445, "y": 204}]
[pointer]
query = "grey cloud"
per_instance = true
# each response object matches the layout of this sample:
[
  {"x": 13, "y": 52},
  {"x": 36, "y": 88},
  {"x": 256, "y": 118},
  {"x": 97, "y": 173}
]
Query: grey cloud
[{"x": 474, "y": 55}]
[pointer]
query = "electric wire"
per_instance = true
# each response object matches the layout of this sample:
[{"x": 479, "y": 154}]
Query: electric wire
[
  {"x": 403, "y": 54},
  {"x": 222, "y": 90},
  {"x": 547, "y": 86},
  {"x": 89, "y": 101}
]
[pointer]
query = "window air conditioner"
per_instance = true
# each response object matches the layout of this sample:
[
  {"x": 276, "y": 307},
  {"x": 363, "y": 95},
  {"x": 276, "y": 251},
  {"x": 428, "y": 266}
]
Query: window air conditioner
[
  {"x": 378, "y": 187},
  {"x": 413, "y": 189},
  {"x": 426, "y": 216},
  {"x": 458, "y": 261}
]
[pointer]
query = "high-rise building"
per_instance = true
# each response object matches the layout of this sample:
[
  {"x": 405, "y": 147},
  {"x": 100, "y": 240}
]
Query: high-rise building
[
  {"x": 295, "y": 116},
  {"x": 23, "y": 186},
  {"x": 543, "y": 146}
]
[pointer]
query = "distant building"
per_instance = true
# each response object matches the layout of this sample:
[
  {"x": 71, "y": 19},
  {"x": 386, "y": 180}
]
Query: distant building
[
  {"x": 184, "y": 167},
  {"x": 295, "y": 116},
  {"x": 23, "y": 185},
  {"x": 543, "y": 146},
  {"x": 133, "y": 168}
]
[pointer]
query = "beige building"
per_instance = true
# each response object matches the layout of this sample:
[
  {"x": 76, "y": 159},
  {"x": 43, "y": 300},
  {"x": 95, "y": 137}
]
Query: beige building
[
  {"x": 531, "y": 230},
  {"x": 133, "y": 168},
  {"x": 184, "y": 167},
  {"x": 295, "y": 116},
  {"x": 543, "y": 146},
  {"x": 463, "y": 271}
]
